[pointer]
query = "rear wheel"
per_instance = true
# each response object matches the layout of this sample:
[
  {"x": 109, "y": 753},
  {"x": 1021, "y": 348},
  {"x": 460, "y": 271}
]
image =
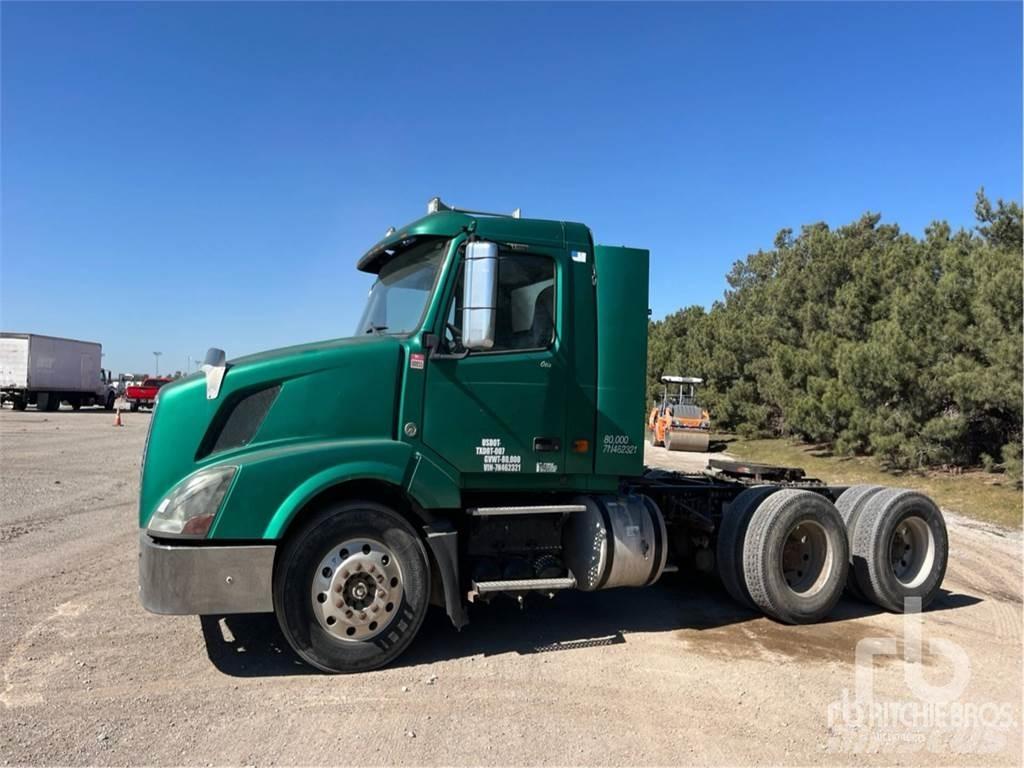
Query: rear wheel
[
  {"x": 109, "y": 405},
  {"x": 76, "y": 404},
  {"x": 731, "y": 534},
  {"x": 795, "y": 556},
  {"x": 850, "y": 504},
  {"x": 351, "y": 587},
  {"x": 900, "y": 549},
  {"x": 18, "y": 403},
  {"x": 134, "y": 407}
]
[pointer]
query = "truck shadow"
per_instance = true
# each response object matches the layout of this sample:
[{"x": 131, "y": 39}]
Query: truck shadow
[{"x": 251, "y": 645}]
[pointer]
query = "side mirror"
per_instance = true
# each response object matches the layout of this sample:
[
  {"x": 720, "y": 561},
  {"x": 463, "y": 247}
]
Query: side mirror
[{"x": 479, "y": 295}]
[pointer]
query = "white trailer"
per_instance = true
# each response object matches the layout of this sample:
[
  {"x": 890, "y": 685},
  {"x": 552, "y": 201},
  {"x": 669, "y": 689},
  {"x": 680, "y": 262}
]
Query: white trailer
[{"x": 47, "y": 370}]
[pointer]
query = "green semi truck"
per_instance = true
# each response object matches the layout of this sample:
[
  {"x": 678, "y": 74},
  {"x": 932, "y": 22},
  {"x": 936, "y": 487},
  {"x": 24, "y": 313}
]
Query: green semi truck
[{"x": 481, "y": 434}]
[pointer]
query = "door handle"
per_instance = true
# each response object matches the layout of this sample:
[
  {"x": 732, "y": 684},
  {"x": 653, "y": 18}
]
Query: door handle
[{"x": 546, "y": 444}]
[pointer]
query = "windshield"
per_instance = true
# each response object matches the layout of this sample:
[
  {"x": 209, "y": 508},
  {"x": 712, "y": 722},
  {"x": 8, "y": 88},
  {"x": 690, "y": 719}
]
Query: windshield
[{"x": 399, "y": 296}]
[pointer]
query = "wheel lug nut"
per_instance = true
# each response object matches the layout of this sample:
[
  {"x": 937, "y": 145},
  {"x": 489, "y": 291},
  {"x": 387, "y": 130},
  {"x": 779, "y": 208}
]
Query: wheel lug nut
[
  {"x": 381, "y": 594},
  {"x": 380, "y": 578},
  {"x": 362, "y": 616},
  {"x": 348, "y": 614},
  {"x": 359, "y": 566}
]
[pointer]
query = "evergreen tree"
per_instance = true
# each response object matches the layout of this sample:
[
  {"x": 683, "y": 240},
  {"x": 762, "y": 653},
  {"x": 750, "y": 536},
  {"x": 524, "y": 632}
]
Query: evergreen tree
[{"x": 869, "y": 340}]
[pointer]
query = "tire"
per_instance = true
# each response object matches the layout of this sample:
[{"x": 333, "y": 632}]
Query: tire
[
  {"x": 47, "y": 401},
  {"x": 315, "y": 559},
  {"x": 850, "y": 504},
  {"x": 109, "y": 404},
  {"x": 76, "y": 405},
  {"x": 731, "y": 534},
  {"x": 134, "y": 407},
  {"x": 907, "y": 525},
  {"x": 795, "y": 556},
  {"x": 18, "y": 403}
]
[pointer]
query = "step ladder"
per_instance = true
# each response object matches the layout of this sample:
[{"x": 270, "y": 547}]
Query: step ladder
[
  {"x": 546, "y": 509},
  {"x": 520, "y": 585},
  {"x": 523, "y": 585}
]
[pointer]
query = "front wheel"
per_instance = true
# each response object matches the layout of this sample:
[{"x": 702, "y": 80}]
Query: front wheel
[{"x": 351, "y": 588}]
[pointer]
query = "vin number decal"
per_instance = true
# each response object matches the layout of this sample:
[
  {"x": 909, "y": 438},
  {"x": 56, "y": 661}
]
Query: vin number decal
[{"x": 495, "y": 459}]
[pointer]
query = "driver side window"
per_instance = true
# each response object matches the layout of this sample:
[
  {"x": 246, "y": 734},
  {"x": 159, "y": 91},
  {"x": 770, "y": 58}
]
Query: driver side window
[{"x": 525, "y": 316}]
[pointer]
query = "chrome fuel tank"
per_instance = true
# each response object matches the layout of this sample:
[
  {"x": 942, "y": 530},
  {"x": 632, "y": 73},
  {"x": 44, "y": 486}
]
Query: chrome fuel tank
[{"x": 617, "y": 541}]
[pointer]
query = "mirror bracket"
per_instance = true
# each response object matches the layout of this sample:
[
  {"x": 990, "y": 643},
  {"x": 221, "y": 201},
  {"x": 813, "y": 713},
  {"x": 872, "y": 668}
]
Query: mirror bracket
[{"x": 431, "y": 343}]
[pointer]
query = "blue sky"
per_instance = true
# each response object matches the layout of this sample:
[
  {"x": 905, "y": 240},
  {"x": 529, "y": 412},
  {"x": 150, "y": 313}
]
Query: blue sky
[{"x": 179, "y": 176}]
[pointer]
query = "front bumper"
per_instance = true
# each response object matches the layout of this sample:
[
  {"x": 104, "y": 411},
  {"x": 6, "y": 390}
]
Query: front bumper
[{"x": 208, "y": 579}]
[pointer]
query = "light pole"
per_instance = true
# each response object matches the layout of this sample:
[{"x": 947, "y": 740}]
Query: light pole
[{"x": 156, "y": 356}]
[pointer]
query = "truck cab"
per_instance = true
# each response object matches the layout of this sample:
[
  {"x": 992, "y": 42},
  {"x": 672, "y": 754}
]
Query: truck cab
[{"x": 480, "y": 433}]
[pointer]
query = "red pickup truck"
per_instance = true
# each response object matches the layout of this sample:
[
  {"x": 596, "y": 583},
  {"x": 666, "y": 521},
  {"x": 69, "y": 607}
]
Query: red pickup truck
[{"x": 143, "y": 395}]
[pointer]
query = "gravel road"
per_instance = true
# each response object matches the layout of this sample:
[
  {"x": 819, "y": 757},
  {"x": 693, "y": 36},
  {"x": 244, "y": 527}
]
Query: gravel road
[{"x": 671, "y": 675}]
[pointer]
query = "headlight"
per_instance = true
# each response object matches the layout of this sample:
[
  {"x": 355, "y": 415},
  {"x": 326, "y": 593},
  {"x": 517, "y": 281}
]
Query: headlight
[{"x": 189, "y": 509}]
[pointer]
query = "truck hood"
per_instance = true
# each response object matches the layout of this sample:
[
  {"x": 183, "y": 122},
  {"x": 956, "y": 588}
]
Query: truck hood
[{"x": 331, "y": 390}]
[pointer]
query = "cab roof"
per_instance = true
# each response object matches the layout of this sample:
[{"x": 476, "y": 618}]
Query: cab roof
[{"x": 488, "y": 227}]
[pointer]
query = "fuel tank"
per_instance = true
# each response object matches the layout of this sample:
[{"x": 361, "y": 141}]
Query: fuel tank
[{"x": 617, "y": 541}]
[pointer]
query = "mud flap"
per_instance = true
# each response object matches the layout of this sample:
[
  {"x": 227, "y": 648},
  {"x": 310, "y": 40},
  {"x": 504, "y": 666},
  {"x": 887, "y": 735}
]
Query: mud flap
[{"x": 442, "y": 539}]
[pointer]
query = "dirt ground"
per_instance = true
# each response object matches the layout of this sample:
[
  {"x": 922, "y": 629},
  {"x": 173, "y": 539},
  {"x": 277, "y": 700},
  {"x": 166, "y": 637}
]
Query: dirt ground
[{"x": 671, "y": 675}]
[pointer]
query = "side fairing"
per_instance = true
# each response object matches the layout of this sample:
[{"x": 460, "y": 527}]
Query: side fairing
[{"x": 621, "y": 359}]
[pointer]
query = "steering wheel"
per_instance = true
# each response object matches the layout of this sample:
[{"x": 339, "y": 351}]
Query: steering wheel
[{"x": 455, "y": 332}]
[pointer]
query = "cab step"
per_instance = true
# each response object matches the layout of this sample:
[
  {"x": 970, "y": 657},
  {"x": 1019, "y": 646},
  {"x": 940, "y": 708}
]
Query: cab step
[
  {"x": 521, "y": 585},
  {"x": 547, "y": 509}
]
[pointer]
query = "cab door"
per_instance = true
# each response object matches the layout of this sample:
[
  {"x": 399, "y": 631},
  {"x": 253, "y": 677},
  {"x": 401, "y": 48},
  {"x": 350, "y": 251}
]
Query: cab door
[{"x": 501, "y": 413}]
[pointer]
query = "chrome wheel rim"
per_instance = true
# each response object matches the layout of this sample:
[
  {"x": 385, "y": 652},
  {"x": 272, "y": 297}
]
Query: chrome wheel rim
[
  {"x": 806, "y": 558},
  {"x": 912, "y": 551},
  {"x": 357, "y": 589}
]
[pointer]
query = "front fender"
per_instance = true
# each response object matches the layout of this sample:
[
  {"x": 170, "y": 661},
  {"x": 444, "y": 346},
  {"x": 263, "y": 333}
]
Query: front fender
[
  {"x": 312, "y": 487},
  {"x": 272, "y": 484}
]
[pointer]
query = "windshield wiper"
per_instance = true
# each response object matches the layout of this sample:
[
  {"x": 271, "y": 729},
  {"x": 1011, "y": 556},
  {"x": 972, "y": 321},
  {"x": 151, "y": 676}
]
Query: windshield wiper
[{"x": 376, "y": 328}]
